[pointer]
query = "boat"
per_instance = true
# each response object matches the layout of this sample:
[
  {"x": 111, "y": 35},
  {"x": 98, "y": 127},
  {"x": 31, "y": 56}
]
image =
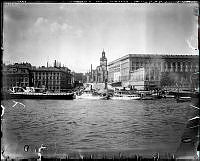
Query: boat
[
  {"x": 169, "y": 96},
  {"x": 147, "y": 98},
  {"x": 87, "y": 94},
  {"x": 125, "y": 96},
  {"x": 156, "y": 96},
  {"x": 21, "y": 93},
  {"x": 106, "y": 97},
  {"x": 183, "y": 99},
  {"x": 92, "y": 95}
]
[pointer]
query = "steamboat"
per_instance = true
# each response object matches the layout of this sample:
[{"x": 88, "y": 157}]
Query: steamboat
[{"x": 34, "y": 93}]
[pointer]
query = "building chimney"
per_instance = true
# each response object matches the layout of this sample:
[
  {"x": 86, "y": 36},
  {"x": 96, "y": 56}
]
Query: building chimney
[
  {"x": 91, "y": 74},
  {"x": 55, "y": 63}
]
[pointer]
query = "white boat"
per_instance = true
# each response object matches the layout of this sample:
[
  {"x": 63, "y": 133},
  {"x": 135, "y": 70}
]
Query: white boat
[
  {"x": 169, "y": 96},
  {"x": 125, "y": 97},
  {"x": 184, "y": 99},
  {"x": 87, "y": 95}
]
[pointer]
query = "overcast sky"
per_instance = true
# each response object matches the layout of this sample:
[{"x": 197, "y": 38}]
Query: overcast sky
[{"x": 76, "y": 33}]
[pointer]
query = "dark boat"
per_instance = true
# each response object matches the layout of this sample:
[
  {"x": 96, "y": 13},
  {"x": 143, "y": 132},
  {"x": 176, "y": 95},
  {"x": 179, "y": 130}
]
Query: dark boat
[
  {"x": 105, "y": 97},
  {"x": 147, "y": 98},
  {"x": 23, "y": 94}
]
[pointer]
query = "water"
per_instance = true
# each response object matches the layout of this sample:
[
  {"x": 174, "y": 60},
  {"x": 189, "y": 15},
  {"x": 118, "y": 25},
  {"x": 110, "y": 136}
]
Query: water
[{"x": 104, "y": 126}]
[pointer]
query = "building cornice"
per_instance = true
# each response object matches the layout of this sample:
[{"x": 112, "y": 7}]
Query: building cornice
[{"x": 154, "y": 56}]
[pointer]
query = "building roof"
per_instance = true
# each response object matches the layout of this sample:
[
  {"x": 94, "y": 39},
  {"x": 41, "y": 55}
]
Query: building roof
[
  {"x": 52, "y": 69},
  {"x": 153, "y": 56}
]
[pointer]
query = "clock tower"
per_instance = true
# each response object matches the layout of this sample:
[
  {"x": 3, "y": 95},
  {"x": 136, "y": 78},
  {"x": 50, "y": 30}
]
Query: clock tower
[{"x": 103, "y": 61}]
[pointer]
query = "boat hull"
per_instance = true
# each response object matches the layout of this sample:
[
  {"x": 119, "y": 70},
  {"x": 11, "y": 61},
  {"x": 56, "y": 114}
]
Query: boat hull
[
  {"x": 184, "y": 99},
  {"x": 88, "y": 97},
  {"x": 65, "y": 96},
  {"x": 125, "y": 98}
]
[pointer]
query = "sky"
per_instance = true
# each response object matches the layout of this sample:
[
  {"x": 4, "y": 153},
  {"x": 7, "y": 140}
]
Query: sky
[{"x": 76, "y": 33}]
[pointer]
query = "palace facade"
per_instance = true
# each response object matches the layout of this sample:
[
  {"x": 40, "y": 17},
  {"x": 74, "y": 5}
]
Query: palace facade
[{"x": 148, "y": 71}]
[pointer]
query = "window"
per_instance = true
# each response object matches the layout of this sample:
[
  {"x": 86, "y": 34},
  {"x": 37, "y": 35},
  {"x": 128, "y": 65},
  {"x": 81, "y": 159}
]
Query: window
[
  {"x": 183, "y": 66},
  {"x": 137, "y": 65},
  {"x": 26, "y": 79}
]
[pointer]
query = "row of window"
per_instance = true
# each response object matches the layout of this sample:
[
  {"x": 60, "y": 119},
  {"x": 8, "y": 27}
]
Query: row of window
[
  {"x": 19, "y": 84},
  {"x": 49, "y": 82},
  {"x": 51, "y": 77},
  {"x": 18, "y": 79},
  {"x": 164, "y": 69},
  {"x": 15, "y": 70},
  {"x": 53, "y": 81},
  {"x": 45, "y": 73},
  {"x": 170, "y": 69},
  {"x": 166, "y": 64}
]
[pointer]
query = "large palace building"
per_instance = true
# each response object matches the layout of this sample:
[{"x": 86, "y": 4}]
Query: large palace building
[{"x": 150, "y": 71}]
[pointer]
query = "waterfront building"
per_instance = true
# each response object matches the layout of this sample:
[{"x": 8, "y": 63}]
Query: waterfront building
[
  {"x": 55, "y": 78},
  {"x": 150, "y": 71},
  {"x": 78, "y": 79},
  {"x": 18, "y": 74},
  {"x": 24, "y": 75}
]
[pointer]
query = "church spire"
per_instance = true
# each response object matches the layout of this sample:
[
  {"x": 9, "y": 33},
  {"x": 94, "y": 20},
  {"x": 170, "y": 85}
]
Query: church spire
[{"x": 103, "y": 54}]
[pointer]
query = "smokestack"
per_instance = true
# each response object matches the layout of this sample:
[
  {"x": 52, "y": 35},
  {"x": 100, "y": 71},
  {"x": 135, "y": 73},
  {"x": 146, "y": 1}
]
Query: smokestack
[
  {"x": 91, "y": 74},
  {"x": 91, "y": 68},
  {"x": 55, "y": 63}
]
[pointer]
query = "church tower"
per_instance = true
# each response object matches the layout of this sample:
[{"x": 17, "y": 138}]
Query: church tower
[
  {"x": 103, "y": 61},
  {"x": 103, "y": 68}
]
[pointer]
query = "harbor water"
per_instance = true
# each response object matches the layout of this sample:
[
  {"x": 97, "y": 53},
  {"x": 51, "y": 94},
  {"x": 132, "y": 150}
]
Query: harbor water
[{"x": 68, "y": 127}]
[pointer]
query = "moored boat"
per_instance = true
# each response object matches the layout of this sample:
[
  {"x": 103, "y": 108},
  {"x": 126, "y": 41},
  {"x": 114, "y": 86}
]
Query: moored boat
[
  {"x": 87, "y": 94},
  {"x": 184, "y": 99},
  {"x": 125, "y": 96},
  {"x": 169, "y": 96},
  {"x": 15, "y": 93},
  {"x": 106, "y": 97},
  {"x": 148, "y": 98}
]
